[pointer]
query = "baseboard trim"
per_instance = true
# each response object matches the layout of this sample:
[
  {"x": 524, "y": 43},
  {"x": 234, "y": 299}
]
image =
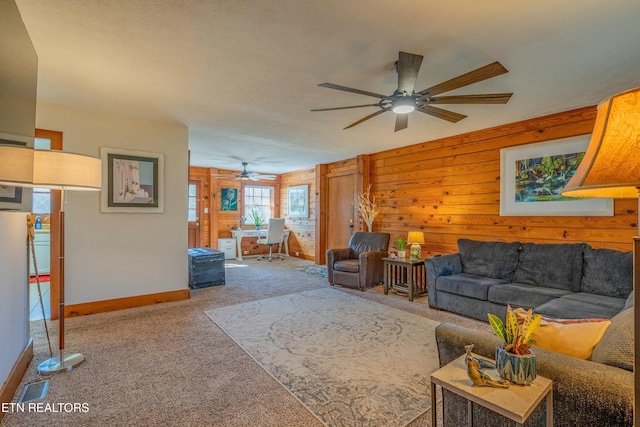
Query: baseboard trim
[
  {"x": 15, "y": 376},
  {"x": 83, "y": 309}
]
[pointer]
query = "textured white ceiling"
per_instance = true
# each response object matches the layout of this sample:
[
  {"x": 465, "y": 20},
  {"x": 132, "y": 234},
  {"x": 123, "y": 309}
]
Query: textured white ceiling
[{"x": 243, "y": 75}]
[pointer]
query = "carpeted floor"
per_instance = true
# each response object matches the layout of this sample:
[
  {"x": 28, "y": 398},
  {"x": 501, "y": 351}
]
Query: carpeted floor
[
  {"x": 170, "y": 365},
  {"x": 351, "y": 361}
]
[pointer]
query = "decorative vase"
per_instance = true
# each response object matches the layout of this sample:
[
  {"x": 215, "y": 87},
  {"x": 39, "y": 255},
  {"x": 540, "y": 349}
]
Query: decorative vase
[
  {"x": 402, "y": 254},
  {"x": 515, "y": 368},
  {"x": 258, "y": 227}
]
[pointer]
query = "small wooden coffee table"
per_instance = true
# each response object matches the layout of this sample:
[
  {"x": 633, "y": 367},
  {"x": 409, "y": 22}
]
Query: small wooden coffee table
[
  {"x": 405, "y": 275},
  {"x": 516, "y": 402}
]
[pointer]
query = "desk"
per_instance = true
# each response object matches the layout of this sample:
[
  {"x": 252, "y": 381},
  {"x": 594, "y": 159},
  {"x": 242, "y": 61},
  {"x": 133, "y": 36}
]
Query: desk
[
  {"x": 239, "y": 234},
  {"x": 405, "y": 275},
  {"x": 516, "y": 402}
]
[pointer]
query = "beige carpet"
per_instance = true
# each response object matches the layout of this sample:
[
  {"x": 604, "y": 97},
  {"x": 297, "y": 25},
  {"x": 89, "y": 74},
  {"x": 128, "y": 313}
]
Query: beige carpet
[
  {"x": 170, "y": 365},
  {"x": 351, "y": 361}
]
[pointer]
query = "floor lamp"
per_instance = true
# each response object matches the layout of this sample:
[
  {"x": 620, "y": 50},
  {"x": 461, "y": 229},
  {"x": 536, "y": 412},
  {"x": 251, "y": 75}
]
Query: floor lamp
[
  {"x": 58, "y": 170},
  {"x": 611, "y": 169}
]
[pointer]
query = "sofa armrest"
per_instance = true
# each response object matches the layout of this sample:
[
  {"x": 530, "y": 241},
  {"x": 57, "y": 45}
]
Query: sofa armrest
[
  {"x": 334, "y": 255},
  {"x": 584, "y": 392},
  {"x": 436, "y": 266},
  {"x": 372, "y": 268}
]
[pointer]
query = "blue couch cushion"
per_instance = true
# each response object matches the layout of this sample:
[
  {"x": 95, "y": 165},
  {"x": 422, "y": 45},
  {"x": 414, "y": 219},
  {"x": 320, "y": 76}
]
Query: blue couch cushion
[
  {"x": 550, "y": 265},
  {"x": 563, "y": 308},
  {"x": 610, "y": 302},
  {"x": 468, "y": 285},
  {"x": 521, "y": 295},
  {"x": 607, "y": 272},
  {"x": 490, "y": 259}
]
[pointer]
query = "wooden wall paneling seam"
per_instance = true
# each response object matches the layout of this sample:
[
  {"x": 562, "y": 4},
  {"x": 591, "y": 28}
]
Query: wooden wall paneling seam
[{"x": 321, "y": 214}]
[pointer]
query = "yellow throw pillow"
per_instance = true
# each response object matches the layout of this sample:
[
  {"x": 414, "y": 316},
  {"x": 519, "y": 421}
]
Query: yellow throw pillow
[{"x": 573, "y": 337}]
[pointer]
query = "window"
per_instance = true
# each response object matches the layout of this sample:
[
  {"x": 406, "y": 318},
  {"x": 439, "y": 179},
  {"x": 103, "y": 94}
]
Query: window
[
  {"x": 41, "y": 200},
  {"x": 192, "y": 203},
  {"x": 259, "y": 199}
]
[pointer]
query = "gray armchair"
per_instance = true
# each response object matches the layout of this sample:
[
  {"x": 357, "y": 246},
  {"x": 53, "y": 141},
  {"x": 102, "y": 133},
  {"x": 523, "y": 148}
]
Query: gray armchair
[{"x": 360, "y": 265}]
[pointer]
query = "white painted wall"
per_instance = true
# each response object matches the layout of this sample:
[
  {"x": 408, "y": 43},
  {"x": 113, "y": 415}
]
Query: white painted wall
[
  {"x": 14, "y": 306},
  {"x": 117, "y": 255}
]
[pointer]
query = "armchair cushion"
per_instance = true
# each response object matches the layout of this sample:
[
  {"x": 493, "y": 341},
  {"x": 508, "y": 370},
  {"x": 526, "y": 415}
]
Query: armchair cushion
[{"x": 350, "y": 265}]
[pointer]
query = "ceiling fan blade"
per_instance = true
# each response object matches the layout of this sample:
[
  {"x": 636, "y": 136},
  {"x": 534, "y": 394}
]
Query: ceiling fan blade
[
  {"x": 223, "y": 175},
  {"x": 345, "y": 108},
  {"x": 441, "y": 114},
  {"x": 256, "y": 175},
  {"x": 490, "y": 98},
  {"x": 408, "y": 69},
  {"x": 402, "y": 121},
  {"x": 475, "y": 76},
  {"x": 349, "y": 89},
  {"x": 367, "y": 118}
]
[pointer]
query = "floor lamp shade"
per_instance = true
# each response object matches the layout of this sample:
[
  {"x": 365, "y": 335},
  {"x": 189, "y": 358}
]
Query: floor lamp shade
[
  {"x": 16, "y": 165},
  {"x": 611, "y": 169},
  {"x": 611, "y": 165},
  {"x": 59, "y": 170}
]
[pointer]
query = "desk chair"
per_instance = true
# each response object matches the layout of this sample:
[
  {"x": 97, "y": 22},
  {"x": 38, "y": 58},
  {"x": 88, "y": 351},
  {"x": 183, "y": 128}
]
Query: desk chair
[{"x": 275, "y": 235}]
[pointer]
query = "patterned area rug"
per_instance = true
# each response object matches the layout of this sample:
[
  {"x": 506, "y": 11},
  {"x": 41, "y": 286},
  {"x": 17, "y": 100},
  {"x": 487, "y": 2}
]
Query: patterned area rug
[
  {"x": 316, "y": 270},
  {"x": 350, "y": 361}
]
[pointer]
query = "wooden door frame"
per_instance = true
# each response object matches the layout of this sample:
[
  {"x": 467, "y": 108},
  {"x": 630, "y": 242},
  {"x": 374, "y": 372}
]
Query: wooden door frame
[
  {"x": 54, "y": 220},
  {"x": 199, "y": 208}
]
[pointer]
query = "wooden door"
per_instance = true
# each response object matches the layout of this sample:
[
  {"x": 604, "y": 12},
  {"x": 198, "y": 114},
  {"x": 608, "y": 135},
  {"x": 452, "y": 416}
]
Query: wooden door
[
  {"x": 195, "y": 190},
  {"x": 340, "y": 210}
]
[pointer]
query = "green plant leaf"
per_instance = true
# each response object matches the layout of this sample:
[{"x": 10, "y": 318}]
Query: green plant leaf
[{"x": 497, "y": 326}]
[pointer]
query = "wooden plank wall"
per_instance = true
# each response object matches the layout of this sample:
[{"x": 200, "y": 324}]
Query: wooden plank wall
[
  {"x": 303, "y": 235},
  {"x": 450, "y": 188},
  {"x": 217, "y": 224}
]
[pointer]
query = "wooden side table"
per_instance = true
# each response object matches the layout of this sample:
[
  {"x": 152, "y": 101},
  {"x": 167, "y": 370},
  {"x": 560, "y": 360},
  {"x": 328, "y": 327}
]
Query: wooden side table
[
  {"x": 405, "y": 275},
  {"x": 516, "y": 402}
]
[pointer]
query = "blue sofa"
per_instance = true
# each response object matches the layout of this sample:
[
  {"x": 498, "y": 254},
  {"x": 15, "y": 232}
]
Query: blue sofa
[{"x": 570, "y": 281}]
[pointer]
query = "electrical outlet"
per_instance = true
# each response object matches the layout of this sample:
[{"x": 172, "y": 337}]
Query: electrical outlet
[
  {"x": 246, "y": 253},
  {"x": 297, "y": 253}
]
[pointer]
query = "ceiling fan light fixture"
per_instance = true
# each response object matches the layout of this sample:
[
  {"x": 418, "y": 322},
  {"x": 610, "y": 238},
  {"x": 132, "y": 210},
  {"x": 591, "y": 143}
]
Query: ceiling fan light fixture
[{"x": 404, "y": 105}]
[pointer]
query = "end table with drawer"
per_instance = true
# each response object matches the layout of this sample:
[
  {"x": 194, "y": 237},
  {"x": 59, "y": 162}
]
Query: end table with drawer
[{"x": 405, "y": 275}]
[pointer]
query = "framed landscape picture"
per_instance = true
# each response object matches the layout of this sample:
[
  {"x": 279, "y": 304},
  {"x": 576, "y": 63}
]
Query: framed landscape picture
[
  {"x": 132, "y": 181},
  {"x": 532, "y": 177}
]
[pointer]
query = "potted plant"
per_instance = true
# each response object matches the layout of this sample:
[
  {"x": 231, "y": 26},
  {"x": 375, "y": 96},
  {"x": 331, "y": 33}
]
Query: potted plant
[
  {"x": 367, "y": 208},
  {"x": 400, "y": 245},
  {"x": 256, "y": 217},
  {"x": 514, "y": 359}
]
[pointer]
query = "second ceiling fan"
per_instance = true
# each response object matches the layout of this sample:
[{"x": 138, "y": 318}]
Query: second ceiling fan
[{"x": 405, "y": 100}]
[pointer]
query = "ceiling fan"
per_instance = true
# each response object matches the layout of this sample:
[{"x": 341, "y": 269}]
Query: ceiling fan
[
  {"x": 404, "y": 100},
  {"x": 244, "y": 175}
]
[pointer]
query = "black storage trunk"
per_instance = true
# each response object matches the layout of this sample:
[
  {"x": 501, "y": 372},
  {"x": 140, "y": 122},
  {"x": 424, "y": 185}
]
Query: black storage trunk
[{"x": 206, "y": 267}]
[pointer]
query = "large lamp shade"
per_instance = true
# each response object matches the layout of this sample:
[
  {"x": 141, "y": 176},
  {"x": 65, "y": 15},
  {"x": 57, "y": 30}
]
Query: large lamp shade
[
  {"x": 16, "y": 165},
  {"x": 59, "y": 170},
  {"x": 611, "y": 165}
]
